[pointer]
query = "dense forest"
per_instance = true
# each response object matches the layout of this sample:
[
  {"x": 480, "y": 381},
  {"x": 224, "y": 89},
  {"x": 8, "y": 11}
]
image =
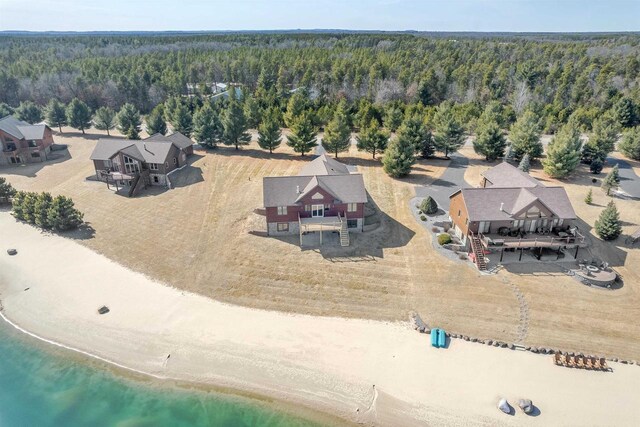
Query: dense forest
[{"x": 384, "y": 78}]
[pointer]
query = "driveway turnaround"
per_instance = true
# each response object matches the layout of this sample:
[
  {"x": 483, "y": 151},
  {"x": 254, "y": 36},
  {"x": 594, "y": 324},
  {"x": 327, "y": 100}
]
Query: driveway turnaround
[
  {"x": 629, "y": 181},
  {"x": 451, "y": 180}
]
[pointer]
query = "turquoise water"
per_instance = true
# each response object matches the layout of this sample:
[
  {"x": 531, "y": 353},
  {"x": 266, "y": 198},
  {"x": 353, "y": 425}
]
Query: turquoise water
[{"x": 44, "y": 387}]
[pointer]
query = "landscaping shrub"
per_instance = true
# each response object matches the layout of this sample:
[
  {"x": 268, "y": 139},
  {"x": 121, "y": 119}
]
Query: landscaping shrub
[
  {"x": 6, "y": 191},
  {"x": 46, "y": 212},
  {"x": 589, "y": 198},
  {"x": 443, "y": 239},
  {"x": 423, "y": 218},
  {"x": 435, "y": 229},
  {"x": 429, "y": 206}
]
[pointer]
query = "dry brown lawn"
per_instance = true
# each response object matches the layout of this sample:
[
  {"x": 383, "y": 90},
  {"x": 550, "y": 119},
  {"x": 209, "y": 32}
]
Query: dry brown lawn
[{"x": 204, "y": 236}]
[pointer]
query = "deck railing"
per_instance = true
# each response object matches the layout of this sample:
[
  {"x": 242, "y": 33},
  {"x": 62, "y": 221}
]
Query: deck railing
[{"x": 536, "y": 241}]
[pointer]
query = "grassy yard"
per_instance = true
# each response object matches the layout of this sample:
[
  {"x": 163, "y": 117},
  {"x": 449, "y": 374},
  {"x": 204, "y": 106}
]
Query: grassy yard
[{"x": 204, "y": 236}]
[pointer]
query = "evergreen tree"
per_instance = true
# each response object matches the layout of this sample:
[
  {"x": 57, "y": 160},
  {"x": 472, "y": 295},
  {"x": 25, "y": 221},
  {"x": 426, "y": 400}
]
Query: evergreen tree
[
  {"x": 337, "y": 135},
  {"x": 448, "y": 132},
  {"x": 414, "y": 130},
  {"x": 78, "y": 115},
  {"x": 490, "y": 141},
  {"x": 630, "y": 143},
  {"x": 525, "y": 164},
  {"x": 589, "y": 198},
  {"x": 29, "y": 112},
  {"x": 399, "y": 157},
  {"x": 601, "y": 140},
  {"x": 596, "y": 166},
  {"x": 29, "y": 207},
  {"x": 55, "y": 114},
  {"x": 608, "y": 225},
  {"x": 155, "y": 121},
  {"x": 303, "y": 135},
  {"x": 393, "y": 118},
  {"x": 207, "y": 128},
  {"x": 563, "y": 153},
  {"x": 610, "y": 182},
  {"x": 6, "y": 190},
  {"x": 105, "y": 119},
  {"x": 128, "y": 119},
  {"x": 429, "y": 206},
  {"x": 525, "y": 136},
  {"x": 62, "y": 214},
  {"x": 625, "y": 111},
  {"x": 234, "y": 124},
  {"x": 269, "y": 132},
  {"x": 615, "y": 173},
  {"x": 5, "y": 110},
  {"x": 17, "y": 205},
  {"x": 181, "y": 120},
  {"x": 372, "y": 139},
  {"x": 509, "y": 156},
  {"x": 252, "y": 112},
  {"x": 41, "y": 210},
  {"x": 295, "y": 107}
]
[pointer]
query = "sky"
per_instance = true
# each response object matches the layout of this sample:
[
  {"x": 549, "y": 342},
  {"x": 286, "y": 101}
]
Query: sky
[{"x": 422, "y": 15}]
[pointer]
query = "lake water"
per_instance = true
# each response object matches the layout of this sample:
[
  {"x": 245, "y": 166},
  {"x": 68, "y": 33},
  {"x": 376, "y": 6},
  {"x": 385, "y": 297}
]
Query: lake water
[{"x": 41, "y": 386}]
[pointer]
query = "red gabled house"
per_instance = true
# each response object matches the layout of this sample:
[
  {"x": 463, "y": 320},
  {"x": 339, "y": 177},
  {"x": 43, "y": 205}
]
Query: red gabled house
[{"x": 22, "y": 142}]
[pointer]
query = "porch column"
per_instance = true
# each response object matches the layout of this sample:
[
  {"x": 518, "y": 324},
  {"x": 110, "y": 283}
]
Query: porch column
[
  {"x": 521, "y": 252},
  {"x": 576, "y": 255},
  {"x": 501, "y": 254}
]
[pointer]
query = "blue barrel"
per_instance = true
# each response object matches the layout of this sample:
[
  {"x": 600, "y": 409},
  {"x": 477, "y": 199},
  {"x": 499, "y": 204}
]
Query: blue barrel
[
  {"x": 442, "y": 338},
  {"x": 434, "y": 337}
]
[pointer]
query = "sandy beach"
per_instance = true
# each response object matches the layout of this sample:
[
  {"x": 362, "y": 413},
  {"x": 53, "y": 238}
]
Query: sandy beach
[{"x": 328, "y": 364}]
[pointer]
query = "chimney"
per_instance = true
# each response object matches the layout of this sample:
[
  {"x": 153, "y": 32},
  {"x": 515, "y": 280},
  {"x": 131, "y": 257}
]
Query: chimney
[{"x": 502, "y": 207}]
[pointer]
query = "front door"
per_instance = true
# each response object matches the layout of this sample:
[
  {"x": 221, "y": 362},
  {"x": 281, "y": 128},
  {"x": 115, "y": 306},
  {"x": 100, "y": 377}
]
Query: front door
[{"x": 317, "y": 210}]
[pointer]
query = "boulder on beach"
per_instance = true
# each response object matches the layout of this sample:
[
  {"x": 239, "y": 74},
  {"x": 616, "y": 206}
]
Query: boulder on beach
[
  {"x": 526, "y": 405},
  {"x": 12, "y": 251},
  {"x": 504, "y": 406}
]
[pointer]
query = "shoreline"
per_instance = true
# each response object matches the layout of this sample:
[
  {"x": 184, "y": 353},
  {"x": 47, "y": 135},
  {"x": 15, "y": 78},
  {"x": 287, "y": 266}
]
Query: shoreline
[{"x": 326, "y": 365}]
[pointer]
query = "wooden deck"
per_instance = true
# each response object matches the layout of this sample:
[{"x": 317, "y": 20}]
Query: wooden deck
[{"x": 496, "y": 241}]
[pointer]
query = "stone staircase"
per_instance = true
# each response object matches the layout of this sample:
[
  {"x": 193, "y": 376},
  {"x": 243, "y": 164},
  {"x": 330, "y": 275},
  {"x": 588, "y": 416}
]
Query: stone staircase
[
  {"x": 344, "y": 233},
  {"x": 478, "y": 250}
]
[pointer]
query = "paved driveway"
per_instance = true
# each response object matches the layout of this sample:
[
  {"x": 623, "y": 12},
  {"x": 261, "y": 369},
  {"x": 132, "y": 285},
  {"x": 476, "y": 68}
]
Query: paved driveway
[
  {"x": 451, "y": 180},
  {"x": 629, "y": 181}
]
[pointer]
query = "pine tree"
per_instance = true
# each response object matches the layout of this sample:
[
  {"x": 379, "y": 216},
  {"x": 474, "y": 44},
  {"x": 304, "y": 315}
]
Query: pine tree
[
  {"x": 17, "y": 205},
  {"x": 105, "y": 119},
  {"x": 596, "y": 166},
  {"x": 525, "y": 164},
  {"x": 563, "y": 153},
  {"x": 295, "y": 107},
  {"x": 393, "y": 118},
  {"x": 625, "y": 111},
  {"x": 252, "y": 112},
  {"x": 29, "y": 207},
  {"x": 6, "y": 190},
  {"x": 372, "y": 139},
  {"x": 207, "y": 128},
  {"x": 589, "y": 198},
  {"x": 5, "y": 110},
  {"x": 303, "y": 135},
  {"x": 78, "y": 115},
  {"x": 337, "y": 135},
  {"x": 601, "y": 140},
  {"x": 615, "y": 173},
  {"x": 630, "y": 143},
  {"x": 414, "y": 130},
  {"x": 269, "y": 132},
  {"x": 181, "y": 120},
  {"x": 55, "y": 114},
  {"x": 490, "y": 141},
  {"x": 609, "y": 182},
  {"x": 525, "y": 136},
  {"x": 429, "y": 206},
  {"x": 509, "y": 156},
  {"x": 234, "y": 124},
  {"x": 29, "y": 112},
  {"x": 155, "y": 121},
  {"x": 62, "y": 214},
  {"x": 608, "y": 225},
  {"x": 41, "y": 210},
  {"x": 399, "y": 157},
  {"x": 129, "y": 122},
  {"x": 448, "y": 132}
]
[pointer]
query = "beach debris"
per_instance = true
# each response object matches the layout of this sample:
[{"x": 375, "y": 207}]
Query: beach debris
[
  {"x": 526, "y": 405},
  {"x": 103, "y": 310},
  {"x": 504, "y": 406},
  {"x": 12, "y": 251},
  {"x": 418, "y": 323}
]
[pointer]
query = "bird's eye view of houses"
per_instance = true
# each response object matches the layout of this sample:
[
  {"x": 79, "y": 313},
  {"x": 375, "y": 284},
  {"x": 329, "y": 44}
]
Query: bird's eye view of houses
[{"x": 373, "y": 213}]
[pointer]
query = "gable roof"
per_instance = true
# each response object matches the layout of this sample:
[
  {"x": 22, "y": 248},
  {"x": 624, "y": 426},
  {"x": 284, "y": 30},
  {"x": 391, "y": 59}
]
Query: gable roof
[
  {"x": 145, "y": 151},
  {"x": 484, "y": 204},
  {"x": 21, "y": 129},
  {"x": 178, "y": 139},
  {"x": 505, "y": 175},
  {"x": 283, "y": 190},
  {"x": 324, "y": 165}
]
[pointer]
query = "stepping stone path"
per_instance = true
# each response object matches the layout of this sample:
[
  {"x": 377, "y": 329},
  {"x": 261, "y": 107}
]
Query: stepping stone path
[{"x": 523, "y": 327}]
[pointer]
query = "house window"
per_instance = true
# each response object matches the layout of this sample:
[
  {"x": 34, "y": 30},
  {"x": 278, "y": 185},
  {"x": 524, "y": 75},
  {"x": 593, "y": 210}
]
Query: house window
[
  {"x": 352, "y": 223},
  {"x": 107, "y": 164},
  {"x": 35, "y": 154},
  {"x": 166, "y": 164},
  {"x": 459, "y": 212},
  {"x": 307, "y": 208},
  {"x": 175, "y": 161},
  {"x": 466, "y": 221},
  {"x": 32, "y": 143},
  {"x": 352, "y": 207},
  {"x": 153, "y": 166},
  {"x": 155, "y": 179},
  {"x": 283, "y": 226},
  {"x": 282, "y": 210}
]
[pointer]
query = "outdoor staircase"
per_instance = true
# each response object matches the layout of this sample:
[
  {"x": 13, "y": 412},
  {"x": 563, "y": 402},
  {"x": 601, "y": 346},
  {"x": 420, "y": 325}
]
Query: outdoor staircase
[
  {"x": 134, "y": 184},
  {"x": 478, "y": 250},
  {"x": 344, "y": 233}
]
